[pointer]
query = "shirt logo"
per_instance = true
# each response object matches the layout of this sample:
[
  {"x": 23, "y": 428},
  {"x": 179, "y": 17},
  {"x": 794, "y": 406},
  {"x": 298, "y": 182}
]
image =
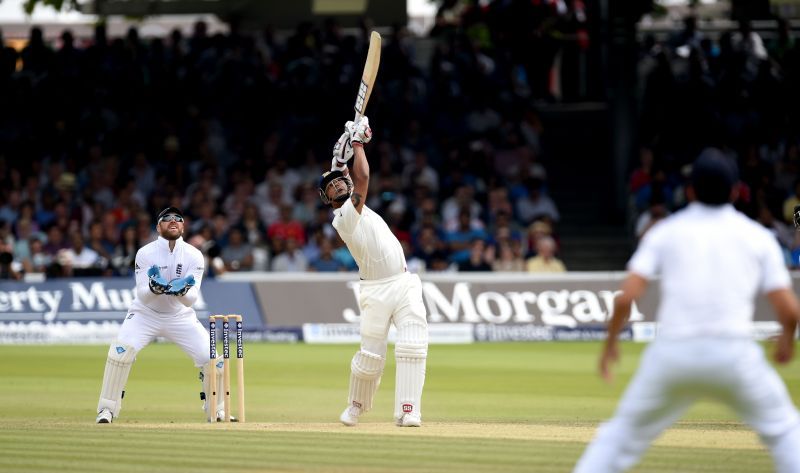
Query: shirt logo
[{"x": 178, "y": 269}]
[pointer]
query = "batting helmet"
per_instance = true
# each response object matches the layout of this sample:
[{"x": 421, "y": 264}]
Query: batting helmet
[{"x": 330, "y": 177}]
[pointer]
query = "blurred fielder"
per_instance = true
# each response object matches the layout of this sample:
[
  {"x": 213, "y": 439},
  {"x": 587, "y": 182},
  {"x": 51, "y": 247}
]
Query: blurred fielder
[
  {"x": 388, "y": 292},
  {"x": 713, "y": 262},
  {"x": 168, "y": 276}
]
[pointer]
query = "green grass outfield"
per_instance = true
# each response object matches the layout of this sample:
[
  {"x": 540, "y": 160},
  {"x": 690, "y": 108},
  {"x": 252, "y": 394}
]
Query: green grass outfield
[{"x": 487, "y": 408}]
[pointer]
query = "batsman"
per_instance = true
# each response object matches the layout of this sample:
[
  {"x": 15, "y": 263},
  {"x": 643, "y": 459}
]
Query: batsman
[
  {"x": 388, "y": 292},
  {"x": 168, "y": 272}
]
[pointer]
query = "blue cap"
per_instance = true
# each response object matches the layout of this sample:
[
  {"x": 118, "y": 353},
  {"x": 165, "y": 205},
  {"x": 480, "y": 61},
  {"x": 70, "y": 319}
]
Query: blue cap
[{"x": 713, "y": 177}]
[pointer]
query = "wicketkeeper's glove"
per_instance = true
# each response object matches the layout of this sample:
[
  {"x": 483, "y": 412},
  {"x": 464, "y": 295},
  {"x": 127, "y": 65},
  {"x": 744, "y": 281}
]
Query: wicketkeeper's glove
[
  {"x": 797, "y": 217},
  {"x": 158, "y": 285},
  {"x": 180, "y": 286},
  {"x": 360, "y": 132},
  {"x": 342, "y": 152}
]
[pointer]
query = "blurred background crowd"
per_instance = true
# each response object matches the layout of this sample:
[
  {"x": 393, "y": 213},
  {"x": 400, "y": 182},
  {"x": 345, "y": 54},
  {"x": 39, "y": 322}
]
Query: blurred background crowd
[{"x": 98, "y": 134}]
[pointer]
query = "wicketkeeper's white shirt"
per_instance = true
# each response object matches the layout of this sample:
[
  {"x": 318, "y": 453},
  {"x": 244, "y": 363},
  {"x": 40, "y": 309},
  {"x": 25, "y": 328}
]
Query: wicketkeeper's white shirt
[
  {"x": 377, "y": 251},
  {"x": 707, "y": 257},
  {"x": 182, "y": 261}
]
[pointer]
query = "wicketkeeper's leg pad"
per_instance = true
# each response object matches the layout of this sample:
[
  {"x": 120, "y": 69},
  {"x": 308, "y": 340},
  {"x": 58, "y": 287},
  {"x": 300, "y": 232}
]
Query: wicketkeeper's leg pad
[
  {"x": 118, "y": 367},
  {"x": 365, "y": 376},
  {"x": 205, "y": 380},
  {"x": 411, "y": 352}
]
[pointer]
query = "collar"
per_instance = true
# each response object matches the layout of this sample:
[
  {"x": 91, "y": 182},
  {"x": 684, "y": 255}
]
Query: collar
[
  {"x": 164, "y": 243},
  {"x": 705, "y": 208}
]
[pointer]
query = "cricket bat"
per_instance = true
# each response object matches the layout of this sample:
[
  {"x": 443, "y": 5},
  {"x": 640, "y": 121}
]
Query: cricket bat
[{"x": 369, "y": 74}]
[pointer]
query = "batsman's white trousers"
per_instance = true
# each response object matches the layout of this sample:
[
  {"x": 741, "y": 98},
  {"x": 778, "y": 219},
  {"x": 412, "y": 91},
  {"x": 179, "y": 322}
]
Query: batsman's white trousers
[
  {"x": 397, "y": 299},
  {"x": 675, "y": 373},
  {"x": 140, "y": 329}
]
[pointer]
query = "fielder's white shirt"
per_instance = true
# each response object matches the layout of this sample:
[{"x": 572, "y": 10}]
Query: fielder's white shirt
[
  {"x": 377, "y": 251},
  {"x": 182, "y": 261},
  {"x": 713, "y": 261}
]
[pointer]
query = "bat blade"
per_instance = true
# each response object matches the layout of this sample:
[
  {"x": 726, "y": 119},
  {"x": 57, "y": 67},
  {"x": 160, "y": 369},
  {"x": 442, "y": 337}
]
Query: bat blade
[{"x": 369, "y": 74}]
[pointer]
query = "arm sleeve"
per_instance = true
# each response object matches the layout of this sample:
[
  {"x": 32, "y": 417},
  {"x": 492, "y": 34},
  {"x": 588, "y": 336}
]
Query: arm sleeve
[
  {"x": 349, "y": 218},
  {"x": 774, "y": 274},
  {"x": 143, "y": 292},
  {"x": 198, "y": 267},
  {"x": 646, "y": 261}
]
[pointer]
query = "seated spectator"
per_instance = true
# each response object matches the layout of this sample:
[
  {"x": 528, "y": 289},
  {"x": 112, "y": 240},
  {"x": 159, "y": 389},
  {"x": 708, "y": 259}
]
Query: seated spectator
[
  {"x": 123, "y": 260},
  {"x": 9, "y": 269},
  {"x": 656, "y": 212},
  {"x": 291, "y": 259},
  {"x": 55, "y": 241},
  {"x": 325, "y": 262},
  {"x": 509, "y": 257},
  {"x": 791, "y": 202},
  {"x": 39, "y": 261},
  {"x": 536, "y": 231},
  {"x": 537, "y": 204},
  {"x": 285, "y": 227},
  {"x": 461, "y": 238},
  {"x": 545, "y": 260},
  {"x": 80, "y": 260},
  {"x": 237, "y": 254},
  {"x": 477, "y": 260}
]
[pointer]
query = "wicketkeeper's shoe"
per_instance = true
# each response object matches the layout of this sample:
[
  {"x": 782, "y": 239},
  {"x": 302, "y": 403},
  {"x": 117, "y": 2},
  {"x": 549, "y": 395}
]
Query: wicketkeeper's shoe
[
  {"x": 221, "y": 416},
  {"x": 104, "y": 416},
  {"x": 408, "y": 420},
  {"x": 350, "y": 416}
]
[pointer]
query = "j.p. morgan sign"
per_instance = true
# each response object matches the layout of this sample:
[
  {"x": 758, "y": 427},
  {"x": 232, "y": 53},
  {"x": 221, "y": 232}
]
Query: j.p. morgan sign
[{"x": 487, "y": 299}]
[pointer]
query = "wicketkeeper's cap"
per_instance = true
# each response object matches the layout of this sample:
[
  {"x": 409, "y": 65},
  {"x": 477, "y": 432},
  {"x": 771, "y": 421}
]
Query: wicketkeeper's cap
[
  {"x": 713, "y": 177},
  {"x": 168, "y": 211}
]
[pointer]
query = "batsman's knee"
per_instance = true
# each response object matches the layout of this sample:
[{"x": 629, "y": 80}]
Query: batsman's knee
[
  {"x": 366, "y": 365},
  {"x": 412, "y": 340}
]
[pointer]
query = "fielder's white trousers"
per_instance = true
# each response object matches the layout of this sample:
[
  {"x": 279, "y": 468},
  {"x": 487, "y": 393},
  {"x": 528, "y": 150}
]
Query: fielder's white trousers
[
  {"x": 140, "y": 329},
  {"x": 675, "y": 373}
]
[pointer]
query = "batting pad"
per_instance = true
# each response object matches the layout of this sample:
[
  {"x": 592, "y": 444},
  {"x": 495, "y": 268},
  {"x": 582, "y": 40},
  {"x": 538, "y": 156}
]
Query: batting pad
[
  {"x": 218, "y": 372},
  {"x": 118, "y": 367},
  {"x": 411, "y": 352},
  {"x": 365, "y": 376}
]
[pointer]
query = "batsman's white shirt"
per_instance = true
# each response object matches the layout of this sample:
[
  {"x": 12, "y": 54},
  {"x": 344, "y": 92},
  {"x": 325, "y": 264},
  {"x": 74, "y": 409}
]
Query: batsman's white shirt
[
  {"x": 376, "y": 250},
  {"x": 162, "y": 315},
  {"x": 388, "y": 292},
  {"x": 713, "y": 262}
]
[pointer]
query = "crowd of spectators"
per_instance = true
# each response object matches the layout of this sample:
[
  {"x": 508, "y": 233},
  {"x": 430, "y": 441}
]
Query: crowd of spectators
[
  {"x": 98, "y": 134},
  {"x": 736, "y": 91}
]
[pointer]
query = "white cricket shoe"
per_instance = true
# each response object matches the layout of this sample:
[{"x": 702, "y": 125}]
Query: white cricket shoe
[
  {"x": 221, "y": 416},
  {"x": 408, "y": 420},
  {"x": 104, "y": 416},
  {"x": 350, "y": 416}
]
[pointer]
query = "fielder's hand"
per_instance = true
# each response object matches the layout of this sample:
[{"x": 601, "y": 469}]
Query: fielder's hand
[
  {"x": 158, "y": 285},
  {"x": 342, "y": 153},
  {"x": 360, "y": 132},
  {"x": 179, "y": 287}
]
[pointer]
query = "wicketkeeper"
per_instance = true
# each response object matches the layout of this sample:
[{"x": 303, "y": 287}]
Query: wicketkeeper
[
  {"x": 388, "y": 292},
  {"x": 168, "y": 276}
]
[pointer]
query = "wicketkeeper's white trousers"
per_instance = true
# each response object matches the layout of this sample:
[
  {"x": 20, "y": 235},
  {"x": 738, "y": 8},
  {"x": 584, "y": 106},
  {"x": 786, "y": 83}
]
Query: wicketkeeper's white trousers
[{"x": 139, "y": 330}]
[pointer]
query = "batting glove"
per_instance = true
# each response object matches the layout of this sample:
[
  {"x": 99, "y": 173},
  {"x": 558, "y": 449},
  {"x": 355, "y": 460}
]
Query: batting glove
[
  {"x": 360, "y": 132},
  {"x": 179, "y": 287},
  {"x": 158, "y": 285},
  {"x": 342, "y": 153}
]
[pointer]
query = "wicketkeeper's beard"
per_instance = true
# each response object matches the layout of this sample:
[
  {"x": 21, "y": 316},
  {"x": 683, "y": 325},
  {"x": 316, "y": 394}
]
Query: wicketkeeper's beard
[{"x": 171, "y": 236}]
